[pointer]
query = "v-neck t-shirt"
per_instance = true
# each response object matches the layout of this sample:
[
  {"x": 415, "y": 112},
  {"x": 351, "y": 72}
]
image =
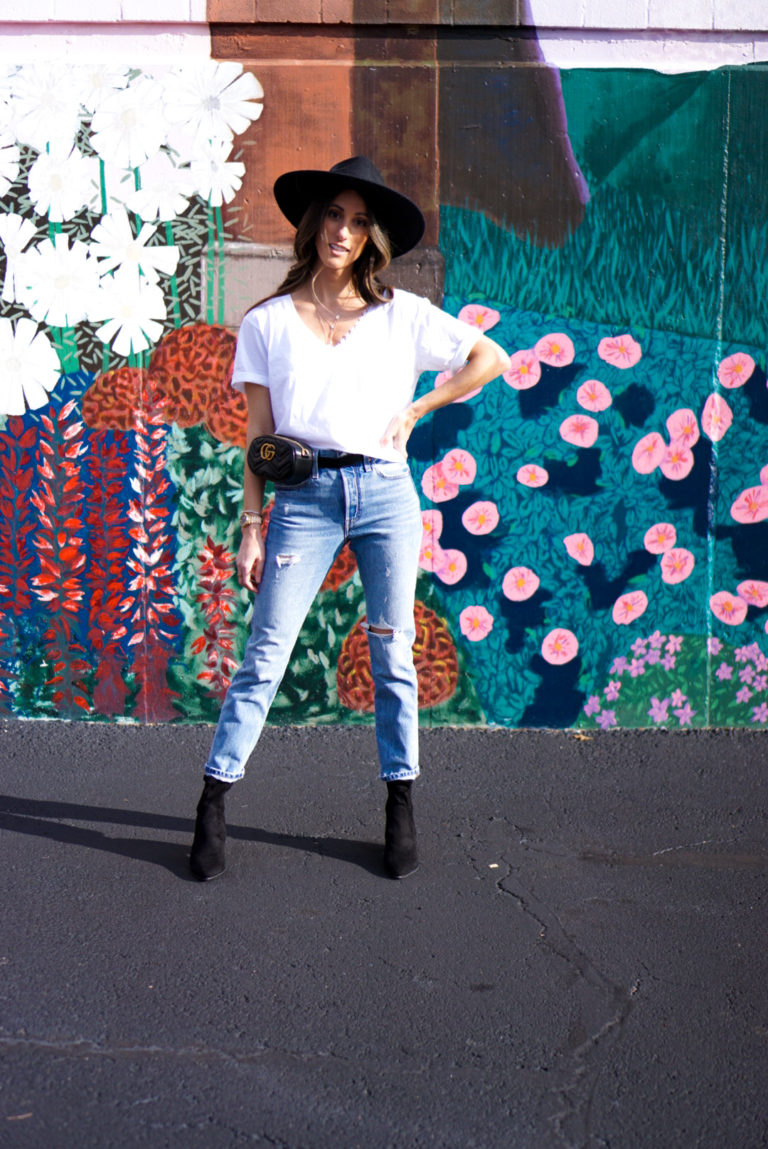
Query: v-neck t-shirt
[{"x": 343, "y": 396}]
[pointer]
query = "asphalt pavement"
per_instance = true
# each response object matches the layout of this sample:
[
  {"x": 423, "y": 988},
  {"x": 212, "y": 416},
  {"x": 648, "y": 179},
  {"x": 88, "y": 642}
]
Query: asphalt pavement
[{"x": 579, "y": 963}]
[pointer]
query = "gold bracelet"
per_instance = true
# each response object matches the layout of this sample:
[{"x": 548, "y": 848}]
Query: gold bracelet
[{"x": 251, "y": 518}]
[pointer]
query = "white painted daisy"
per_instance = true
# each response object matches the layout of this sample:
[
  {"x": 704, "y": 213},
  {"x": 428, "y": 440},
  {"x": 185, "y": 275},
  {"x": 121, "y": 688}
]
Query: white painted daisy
[
  {"x": 46, "y": 107},
  {"x": 216, "y": 180},
  {"x": 29, "y": 366},
  {"x": 133, "y": 310},
  {"x": 59, "y": 186},
  {"x": 213, "y": 100},
  {"x": 16, "y": 233},
  {"x": 96, "y": 81},
  {"x": 115, "y": 246},
  {"x": 129, "y": 125},
  {"x": 56, "y": 282},
  {"x": 165, "y": 189}
]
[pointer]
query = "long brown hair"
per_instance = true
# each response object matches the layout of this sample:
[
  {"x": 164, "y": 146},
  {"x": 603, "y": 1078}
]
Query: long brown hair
[{"x": 374, "y": 259}]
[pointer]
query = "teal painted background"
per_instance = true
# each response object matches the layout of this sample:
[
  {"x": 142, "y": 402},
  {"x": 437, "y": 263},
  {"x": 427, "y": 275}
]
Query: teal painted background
[{"x": 611, "y": 594}]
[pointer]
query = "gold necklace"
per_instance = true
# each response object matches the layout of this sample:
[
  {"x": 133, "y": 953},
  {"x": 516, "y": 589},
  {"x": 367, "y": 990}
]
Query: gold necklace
[{"x": 335, "y": 316}]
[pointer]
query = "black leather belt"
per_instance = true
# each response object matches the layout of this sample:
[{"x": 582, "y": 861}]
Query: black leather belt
[{"x": 334, "y": 462}]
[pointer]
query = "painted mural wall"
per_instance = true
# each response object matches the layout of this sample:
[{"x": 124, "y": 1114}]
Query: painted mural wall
[{"x": 595, "y": 523}]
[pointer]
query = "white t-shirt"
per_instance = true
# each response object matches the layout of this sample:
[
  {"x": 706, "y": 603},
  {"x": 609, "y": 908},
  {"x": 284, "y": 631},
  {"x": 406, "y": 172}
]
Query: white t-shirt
[{"x": 344, "y": 396}]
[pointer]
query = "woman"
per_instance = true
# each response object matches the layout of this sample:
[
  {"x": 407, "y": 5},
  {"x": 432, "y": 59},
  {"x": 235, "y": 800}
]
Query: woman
[{"x": 332, "y": 358}]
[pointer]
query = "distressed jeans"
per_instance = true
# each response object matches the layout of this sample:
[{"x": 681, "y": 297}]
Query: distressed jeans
[{"x": 375, "y": 506}]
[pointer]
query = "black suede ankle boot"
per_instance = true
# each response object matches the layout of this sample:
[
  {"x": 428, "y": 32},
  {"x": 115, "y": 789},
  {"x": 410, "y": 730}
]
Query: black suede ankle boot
[
  {"x": 206, "y": 860},
  {"x": 400, "y": 853}
]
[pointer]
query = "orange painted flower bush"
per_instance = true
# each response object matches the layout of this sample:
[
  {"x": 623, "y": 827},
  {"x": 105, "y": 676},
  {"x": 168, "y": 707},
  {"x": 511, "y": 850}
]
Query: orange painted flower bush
[{"x": 434, "y": 656}]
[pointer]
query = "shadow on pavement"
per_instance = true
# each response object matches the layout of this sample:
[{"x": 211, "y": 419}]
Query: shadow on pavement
[{"x": 48, "y": 819}]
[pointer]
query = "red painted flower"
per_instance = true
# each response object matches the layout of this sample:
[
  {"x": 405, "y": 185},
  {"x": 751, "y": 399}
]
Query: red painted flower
[
  {"x": 620, "y": 350},
  {"x": 559, "y": 646},
  {"x": 524, "y": 371},
  {"x": 735, "y": 370},
  {"x": 729, "y": 608},
  {"x": 556, "y": 350}
]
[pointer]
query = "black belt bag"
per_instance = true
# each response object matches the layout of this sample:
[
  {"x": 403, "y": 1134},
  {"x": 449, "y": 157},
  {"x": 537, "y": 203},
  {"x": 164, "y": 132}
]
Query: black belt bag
[{"x": 280, "y": 459}]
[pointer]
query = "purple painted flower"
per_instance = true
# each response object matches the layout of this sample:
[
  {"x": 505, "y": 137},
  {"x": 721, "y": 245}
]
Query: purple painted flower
[
  {"x": 592, "y": 706},
  {"x": 677, "y": 698},
  {"x": 714, "y": 645},
  {"x": 761, "y": 662},
  {"x": 746, "y": 674},
  {"x": 612, "y": 691},
  {"x": 637, "y": 667},
  {"x": 652, "y": 657},
  {"x": 606, "y": 719},
  {"x": 760, "y": 713},
  {"x": 674, "y": 643},
  {"x": 619, "y": 665},
  {"x": 668, "y": 661},
  {"x": 724, "y": 671},
  {"x": 659, "y": 711},
  {"x": 657, "y": 640},
  {"x": 685, "y": 714},
  {"x": 760, "y": 682},
  {"x": 639, "y": 646},
  {"x": 744, "y": 694}
]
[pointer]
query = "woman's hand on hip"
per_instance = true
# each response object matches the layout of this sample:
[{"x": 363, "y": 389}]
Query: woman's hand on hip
[
  {"x": 399, "y": 430},
  {"x": 250, "y": 558}
]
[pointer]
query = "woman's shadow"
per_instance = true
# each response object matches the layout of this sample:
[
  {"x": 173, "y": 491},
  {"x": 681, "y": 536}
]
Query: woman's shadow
[{"x": 48, "y": 819}]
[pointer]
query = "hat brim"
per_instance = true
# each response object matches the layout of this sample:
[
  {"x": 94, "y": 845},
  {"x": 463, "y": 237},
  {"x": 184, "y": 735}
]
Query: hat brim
[{"x": 399, "y": 216}]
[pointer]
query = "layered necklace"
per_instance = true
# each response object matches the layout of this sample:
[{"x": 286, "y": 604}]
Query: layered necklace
[{"x": 333, "y": 316}]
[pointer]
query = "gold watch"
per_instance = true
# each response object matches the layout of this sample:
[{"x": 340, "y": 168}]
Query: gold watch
[{"x": 251, "y": 519}]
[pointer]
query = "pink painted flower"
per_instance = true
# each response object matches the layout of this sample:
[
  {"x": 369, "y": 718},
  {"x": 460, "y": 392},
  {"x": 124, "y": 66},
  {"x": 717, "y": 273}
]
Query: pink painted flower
[
  {"x": 531, "y": 475},
  {"x": 620, "y": 350},
  {"x": 520, "y": 583},
  {"x": 431, "y": 557},
  {"x": 483, "y": 318},
  {"x": 751, "y": 505},
  {"x": 579, "y": 430},
  {"x": 677, "y": 461},
  {"x": 453, "y": 567},
  {"x": 648, "y": 453},
  {"x": 580, "y": 547},
  {"x": 459, "y": 466},
  {"x": 559, "y": 647},
  {"x": 524, "y": 371},
  {"x": 716, "y": 417},
  {"x": 729, "y": 608},
  {"x": 475, "y": 623},
  {"x": 676, "y": 565},
  {"x": 437, "y": 486},
  {"x": 594, "y": 396},
  {"x": 481, "y": 518},
  {"x": 556, "y": 350},
  {"x": 659, "y": 538},
  {"x": 764, "y": 476},
  {"x": 754, "y": 592},
  {"x": 431, "y": 524},
  {"x": 682, "y": 426},
  {"x": 629, "y": 606},
  {"x": 735, "y": 370},
  {"x": 444, "y": 376}
]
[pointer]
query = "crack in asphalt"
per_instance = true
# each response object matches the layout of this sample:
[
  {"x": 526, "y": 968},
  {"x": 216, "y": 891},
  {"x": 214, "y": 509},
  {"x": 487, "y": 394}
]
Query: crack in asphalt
[
  {"x": 567, "y": 1106},
  {"x": 89, "y": 1048}
]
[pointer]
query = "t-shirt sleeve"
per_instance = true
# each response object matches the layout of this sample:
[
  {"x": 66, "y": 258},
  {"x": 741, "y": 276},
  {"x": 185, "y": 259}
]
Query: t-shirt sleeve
[
  {"x": 442, "y": 341},
  {"x": 251, "y": 364}
]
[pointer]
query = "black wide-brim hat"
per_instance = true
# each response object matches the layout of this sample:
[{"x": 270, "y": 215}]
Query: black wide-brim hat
[{"x": 398, "y": 215}]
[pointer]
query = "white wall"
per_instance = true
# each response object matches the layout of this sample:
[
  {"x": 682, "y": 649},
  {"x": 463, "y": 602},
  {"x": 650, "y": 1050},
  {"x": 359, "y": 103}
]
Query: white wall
[{"x": 666, "y": 35}]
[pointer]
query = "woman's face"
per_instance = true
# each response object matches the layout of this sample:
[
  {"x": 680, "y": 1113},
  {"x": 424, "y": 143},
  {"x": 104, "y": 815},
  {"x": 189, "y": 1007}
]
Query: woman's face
[{"x": 344, "y": 231}]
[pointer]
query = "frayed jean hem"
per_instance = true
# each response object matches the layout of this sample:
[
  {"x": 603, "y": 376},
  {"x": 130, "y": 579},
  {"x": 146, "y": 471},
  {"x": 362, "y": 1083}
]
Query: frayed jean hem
[{"x": 400, "y": 775}]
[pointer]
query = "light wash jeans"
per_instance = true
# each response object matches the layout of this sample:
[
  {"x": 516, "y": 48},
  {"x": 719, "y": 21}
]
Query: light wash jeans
[{"x": 373, "y": 504}]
